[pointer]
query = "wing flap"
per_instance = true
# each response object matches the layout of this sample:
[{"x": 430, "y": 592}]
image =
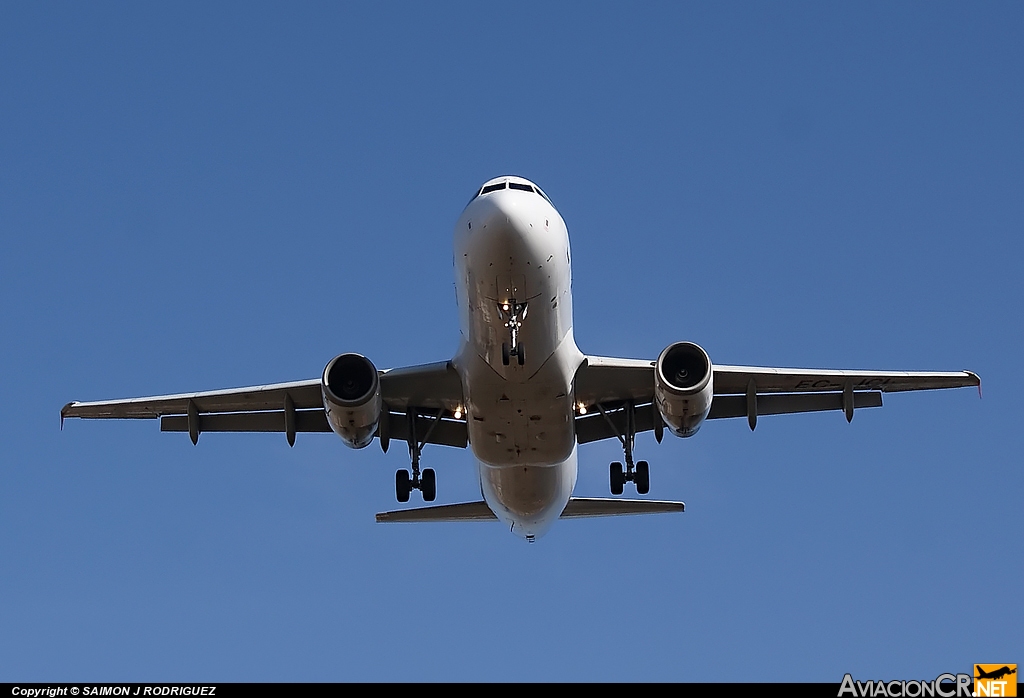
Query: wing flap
[
  {"x": 446, "y": 432},
  {"x": 726, "y": 406},
  {"x": 306, "y": 421},
  {"x": 441, "y": 432},
  {"x": 595, "y": 426}
]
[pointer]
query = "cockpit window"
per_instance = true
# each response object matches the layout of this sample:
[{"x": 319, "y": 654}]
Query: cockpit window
[{"x": 510, "y": 185}]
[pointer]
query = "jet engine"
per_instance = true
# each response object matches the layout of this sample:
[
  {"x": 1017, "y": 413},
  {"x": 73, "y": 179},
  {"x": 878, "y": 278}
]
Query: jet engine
[
  {"x": 683, "y": 387},
  {"x": 351, "y": 391}
]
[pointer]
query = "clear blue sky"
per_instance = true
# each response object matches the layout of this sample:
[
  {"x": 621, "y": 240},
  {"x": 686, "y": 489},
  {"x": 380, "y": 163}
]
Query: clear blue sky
[{"x": 199, "y": 196}]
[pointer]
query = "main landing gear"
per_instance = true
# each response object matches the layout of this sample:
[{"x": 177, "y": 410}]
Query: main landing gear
[
  {"x": 425, "y": 482},
  {"x": 513, "y": 314},
  {"x": 641, "y": 476},
  {"x": 640, "y": 473}
]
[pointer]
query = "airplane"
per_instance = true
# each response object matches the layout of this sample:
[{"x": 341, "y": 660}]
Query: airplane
[
  {"x": 995, "y": 674},
  {"x": 519, "y": 392}
]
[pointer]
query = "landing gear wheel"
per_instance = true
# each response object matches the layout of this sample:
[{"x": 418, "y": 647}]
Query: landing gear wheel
[
  {"x": 642, "y": 477},
  {"x": 428, "y": 485},
  {"x": 504, "y": 353},
  {"x": 402, "y": 485},
  {"x": 616, "y": 477},
  {"x": 520, "y": 355}
]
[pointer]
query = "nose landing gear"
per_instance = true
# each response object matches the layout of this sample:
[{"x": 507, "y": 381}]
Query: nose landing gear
[
  {"x": 513, "y": 313},
  {"x": 640, "y": 473}
]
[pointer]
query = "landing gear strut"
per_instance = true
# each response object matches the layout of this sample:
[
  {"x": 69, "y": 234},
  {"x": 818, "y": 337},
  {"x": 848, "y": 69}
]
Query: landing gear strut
[
  {"x": 425, "y": 482},
  {"x": 640, "y": 473},
  {"x": 513, "y": 313}
]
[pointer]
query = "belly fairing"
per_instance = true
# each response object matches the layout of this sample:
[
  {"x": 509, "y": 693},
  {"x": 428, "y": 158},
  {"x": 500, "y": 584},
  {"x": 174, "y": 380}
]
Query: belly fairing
[{"x": 520, "y": 423}]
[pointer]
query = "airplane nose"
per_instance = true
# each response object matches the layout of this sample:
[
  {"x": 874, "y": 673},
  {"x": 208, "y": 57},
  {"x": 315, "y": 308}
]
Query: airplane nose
[{"x": 499, "y": 212}]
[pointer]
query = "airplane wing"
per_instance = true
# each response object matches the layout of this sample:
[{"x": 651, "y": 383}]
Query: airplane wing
[
  {"x": 604, "y": 385},
  {"x": 428, "y": 393}
]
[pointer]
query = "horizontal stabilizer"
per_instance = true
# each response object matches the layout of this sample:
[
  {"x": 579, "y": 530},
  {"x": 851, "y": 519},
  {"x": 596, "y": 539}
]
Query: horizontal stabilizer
[
  {"x": 469, "y": 511},
  {"x": 578, "y": 507}
]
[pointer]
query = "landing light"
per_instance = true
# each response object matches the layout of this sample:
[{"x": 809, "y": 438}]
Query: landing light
[
  {"x": 582, "y": 408},
  {"x": 458, "y": 413}
]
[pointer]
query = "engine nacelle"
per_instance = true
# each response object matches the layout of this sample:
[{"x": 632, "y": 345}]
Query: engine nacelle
[
  {"x": 683, "y": 387},
  {"x": 351, "y": 391}
]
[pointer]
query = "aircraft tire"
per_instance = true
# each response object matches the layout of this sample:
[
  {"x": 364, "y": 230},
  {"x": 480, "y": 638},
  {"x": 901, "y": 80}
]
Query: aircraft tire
[
  {"x": 616, "y": 477},
  {"x": 428, "y": 485},
  {"x": 402, "y": 486},
  {"x": 643, "y": 477},
  {"x": 504, "y": 353}
]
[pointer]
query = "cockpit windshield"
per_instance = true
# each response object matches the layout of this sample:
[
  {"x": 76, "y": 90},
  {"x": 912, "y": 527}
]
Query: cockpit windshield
[{"x": 519, "y": 186}]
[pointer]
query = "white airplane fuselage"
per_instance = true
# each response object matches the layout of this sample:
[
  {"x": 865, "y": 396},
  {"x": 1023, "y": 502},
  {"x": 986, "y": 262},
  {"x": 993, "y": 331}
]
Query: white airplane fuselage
[{"x": 512, "y": 254}]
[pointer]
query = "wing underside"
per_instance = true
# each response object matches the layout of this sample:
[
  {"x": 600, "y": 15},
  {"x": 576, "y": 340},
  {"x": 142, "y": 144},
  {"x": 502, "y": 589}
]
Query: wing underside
[
  {"x": 607, "y": 386},
  {"x": 426, "y": 395}
]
